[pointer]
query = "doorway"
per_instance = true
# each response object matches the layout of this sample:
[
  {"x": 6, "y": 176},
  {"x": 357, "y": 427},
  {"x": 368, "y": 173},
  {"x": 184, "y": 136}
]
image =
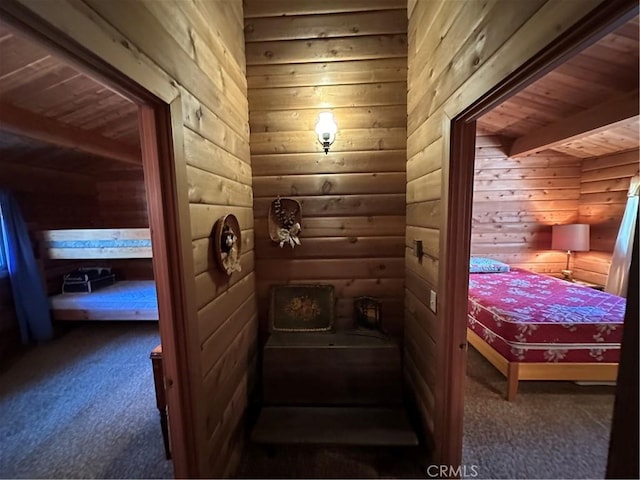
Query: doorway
[
  {"x": 458, "y": 188},
  {"x": 162, "y": 160}
]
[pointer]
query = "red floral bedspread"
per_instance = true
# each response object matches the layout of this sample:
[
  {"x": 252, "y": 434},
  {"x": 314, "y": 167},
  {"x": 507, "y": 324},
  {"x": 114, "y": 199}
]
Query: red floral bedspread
[{"x": 528, "y": 317}]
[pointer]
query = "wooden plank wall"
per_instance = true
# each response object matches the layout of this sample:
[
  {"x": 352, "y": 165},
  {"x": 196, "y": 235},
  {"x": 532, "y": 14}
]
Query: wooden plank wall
[
  {"x": 52, "y": 199},
  {"x": 122, "y": 204},
  {"x": 122, "y": 199},
  {"x": 458, "y": 50},
  {"x": 197, "y": 48},
  {"x": 603, "y": 195},
  {"x": 350, "y": 58},
  {"x": 517, "y": 200}
]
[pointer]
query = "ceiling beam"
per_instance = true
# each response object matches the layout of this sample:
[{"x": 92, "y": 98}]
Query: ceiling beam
[
  {"x": 597, "y": 119},
  {"x": 28, "y": 124}
]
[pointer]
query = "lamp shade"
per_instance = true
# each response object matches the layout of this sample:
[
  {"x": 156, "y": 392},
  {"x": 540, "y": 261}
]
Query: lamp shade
[{"x": 574, "y": 237}]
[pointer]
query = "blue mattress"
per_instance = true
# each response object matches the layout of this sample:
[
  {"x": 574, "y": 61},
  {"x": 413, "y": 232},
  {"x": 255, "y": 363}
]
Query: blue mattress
[{"x": 126, "y": 300}]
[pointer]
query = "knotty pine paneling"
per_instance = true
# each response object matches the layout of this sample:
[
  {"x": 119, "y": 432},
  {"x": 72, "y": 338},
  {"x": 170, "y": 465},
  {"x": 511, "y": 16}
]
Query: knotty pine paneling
[
  {"x": 350, "y": 58},
  {"x": 194, "y": 50},
  {"x": 122, "y": 199},
  {"x": 521, "y": 236},
  {"x": 51, "y": 199},
  {"x": 604, "y": 184},
  {"x": 458, "y": 51}
]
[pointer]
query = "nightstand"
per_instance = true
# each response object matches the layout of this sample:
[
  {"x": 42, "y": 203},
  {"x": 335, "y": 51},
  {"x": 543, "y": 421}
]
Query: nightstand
[{"x": 595, "y": 286}]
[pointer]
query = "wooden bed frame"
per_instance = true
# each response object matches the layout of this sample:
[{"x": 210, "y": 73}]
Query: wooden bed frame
[
  {"x": 516, "y": 371},
  {"x": 99, "y": 244},
  {"x": 95, "y": 243}
]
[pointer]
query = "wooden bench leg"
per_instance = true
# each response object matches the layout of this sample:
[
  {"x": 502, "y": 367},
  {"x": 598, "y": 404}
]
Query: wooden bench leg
[
  {"x": 164, "y": 425},
  {"x": 512, "y": 381},
  {"x": 161, "y": 399}
]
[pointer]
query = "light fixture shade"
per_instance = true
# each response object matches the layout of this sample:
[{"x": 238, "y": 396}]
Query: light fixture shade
[
  {"x": 326, "y": 130},
  {"x": 573, "y": 237}
]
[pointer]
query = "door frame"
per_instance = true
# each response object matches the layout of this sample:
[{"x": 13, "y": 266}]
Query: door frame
[
  {"x": 457, "y": 192},
  {"x": 164, "y": 166}
]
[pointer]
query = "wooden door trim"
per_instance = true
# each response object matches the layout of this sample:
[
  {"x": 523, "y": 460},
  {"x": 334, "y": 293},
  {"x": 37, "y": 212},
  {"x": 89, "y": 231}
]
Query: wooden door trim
[
  {"x": 458, "y": 171},
  {"x": 165, "y": 183},
  {"x": 624, "y": 441},
  {"x": 459, "y": 138},
  {"x": 164, "y": 167}
]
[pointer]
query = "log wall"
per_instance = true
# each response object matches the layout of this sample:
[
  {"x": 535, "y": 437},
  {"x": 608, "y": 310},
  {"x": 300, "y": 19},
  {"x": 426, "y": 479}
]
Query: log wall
[
  {"x": 458, "y": 50},
  {"x": 122, "y": 203},
  {"x": 350, "y": 58},
  {"x": 122, "y": 199},
  {"x": 51, "y": 199},
  {"x": 603, "y": 195},
  {"x": 517, "y": 200},
  {"x": 195, "y": 50}
]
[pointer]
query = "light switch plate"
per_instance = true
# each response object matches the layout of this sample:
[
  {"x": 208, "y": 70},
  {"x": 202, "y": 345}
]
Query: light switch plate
[
  {"x": 417, "y": 248},
  {"x": 432, "y": 301}
]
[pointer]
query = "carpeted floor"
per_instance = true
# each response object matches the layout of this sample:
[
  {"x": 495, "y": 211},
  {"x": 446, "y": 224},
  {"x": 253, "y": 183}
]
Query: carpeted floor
[
  {"x": 551, "y": 430},
  {"x": 331, "y": 462},
  {"x": 83, "y": 406}
]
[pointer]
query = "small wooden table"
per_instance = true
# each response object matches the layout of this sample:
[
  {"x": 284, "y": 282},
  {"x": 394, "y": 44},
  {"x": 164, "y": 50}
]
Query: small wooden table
[{"x": 161, "y": 399}]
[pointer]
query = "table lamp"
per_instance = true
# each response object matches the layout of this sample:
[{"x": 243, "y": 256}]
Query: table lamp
[{"x": 570, "y": 238}]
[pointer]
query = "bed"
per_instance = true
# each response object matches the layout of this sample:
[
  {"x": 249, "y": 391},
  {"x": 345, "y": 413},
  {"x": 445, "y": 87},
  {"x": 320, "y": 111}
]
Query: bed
[
  {"x": 95, "y": 243},
  {"x": 124, "y": 300},
  {"x": 537, "y": 327}
]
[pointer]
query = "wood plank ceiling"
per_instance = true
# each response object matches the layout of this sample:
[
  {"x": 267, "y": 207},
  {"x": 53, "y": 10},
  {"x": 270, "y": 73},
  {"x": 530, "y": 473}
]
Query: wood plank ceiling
[
  {"x": 563, "y": 150},
  {"x": 600, "y": 75},
  {"x": 55, "y": 117}
]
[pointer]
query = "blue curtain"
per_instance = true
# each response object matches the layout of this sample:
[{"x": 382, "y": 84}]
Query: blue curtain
[{"x": 29, "y": 295}]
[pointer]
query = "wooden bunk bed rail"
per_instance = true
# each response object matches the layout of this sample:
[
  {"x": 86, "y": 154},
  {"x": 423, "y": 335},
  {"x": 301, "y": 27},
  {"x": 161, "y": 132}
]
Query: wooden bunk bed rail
[{"x": 96, "y": 243}]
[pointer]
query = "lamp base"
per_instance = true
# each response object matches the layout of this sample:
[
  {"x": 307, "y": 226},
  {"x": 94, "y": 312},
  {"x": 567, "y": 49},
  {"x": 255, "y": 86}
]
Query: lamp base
[{"x": 567, "y": 275}]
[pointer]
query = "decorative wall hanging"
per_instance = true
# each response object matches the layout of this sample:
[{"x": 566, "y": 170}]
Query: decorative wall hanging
[
  {"x": 285, "y": 217},
  {"x": 227, "y": 241},
  {"x": 302, "y": 308},
  {"x": 367, "y": 313}
]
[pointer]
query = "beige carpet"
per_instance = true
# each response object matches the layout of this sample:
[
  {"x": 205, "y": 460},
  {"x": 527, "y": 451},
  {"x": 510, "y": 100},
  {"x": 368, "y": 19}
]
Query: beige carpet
[{"x": 552, "y": 430}]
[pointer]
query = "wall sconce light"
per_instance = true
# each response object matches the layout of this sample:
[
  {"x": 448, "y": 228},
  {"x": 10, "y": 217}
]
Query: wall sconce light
[{"x": 326, "y": 129}]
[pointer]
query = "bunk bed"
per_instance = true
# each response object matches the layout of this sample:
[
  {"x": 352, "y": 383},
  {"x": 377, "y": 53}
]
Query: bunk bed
[
  {"x": 124, "y": 300},
  {"x": 537, "y": 327}
]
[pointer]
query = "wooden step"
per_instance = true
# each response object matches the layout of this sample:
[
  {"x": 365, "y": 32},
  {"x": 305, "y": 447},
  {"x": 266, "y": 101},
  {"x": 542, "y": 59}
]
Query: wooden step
[{"x": 351, "y": 426}]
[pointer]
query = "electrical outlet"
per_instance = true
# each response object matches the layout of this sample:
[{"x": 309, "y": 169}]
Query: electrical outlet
[{"x": 432, "y": 301}]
